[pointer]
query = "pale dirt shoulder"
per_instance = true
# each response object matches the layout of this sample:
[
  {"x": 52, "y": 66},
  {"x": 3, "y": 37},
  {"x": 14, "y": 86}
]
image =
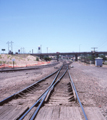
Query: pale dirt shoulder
[
  {"x": 11, "y": 82},
  {"x": 91, "y": 85}
]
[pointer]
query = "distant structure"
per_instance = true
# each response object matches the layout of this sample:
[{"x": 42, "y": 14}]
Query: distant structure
[
  {"x": 39, "y": 49},
  {"x": 94, "y": 48},
  {"x": 10, "y": 48}
]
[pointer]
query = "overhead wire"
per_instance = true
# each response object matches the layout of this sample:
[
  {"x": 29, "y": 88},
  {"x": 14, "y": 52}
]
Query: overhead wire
[{"x": 103, "y": 44}]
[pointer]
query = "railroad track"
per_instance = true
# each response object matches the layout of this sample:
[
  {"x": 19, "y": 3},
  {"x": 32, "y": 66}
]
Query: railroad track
[
  {"x": 53, "y": 90},
  {"x": 26, "y": 68}
]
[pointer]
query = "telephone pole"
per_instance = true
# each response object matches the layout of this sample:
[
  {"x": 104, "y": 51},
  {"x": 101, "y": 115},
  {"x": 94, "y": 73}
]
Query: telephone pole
[
  {"x": 23, "y": 49},
  {"x": 94, "y": 48},
  {"x": 10, "y": 46},
  {"x": 47, "y": 49}
]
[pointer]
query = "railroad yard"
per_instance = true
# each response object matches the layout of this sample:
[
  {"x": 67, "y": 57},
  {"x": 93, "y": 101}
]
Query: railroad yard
[{"x": 59, "y": 100}]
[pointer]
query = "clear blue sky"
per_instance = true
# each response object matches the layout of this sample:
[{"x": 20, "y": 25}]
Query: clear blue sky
[{"x": 60, "y": 25}]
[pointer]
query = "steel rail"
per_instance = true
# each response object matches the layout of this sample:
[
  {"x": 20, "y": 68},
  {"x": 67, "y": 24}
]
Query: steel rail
[
  {"x": 50, "y": 85},
  {"x": 39, "y": 99},
  {"x": 16, "y": 94},
  {"x": 77, "y": 96},
  {"x": 43, "y": 96},
  {"x": 25, "y": 68},
  {"x": 38, "y": 108}
]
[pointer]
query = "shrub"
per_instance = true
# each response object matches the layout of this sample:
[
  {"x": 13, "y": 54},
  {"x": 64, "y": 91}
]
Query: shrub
[
  {"x": 37, "y": 59},
  {"x": 47, "y": 58},
  {"x": 0, "y": 57}
]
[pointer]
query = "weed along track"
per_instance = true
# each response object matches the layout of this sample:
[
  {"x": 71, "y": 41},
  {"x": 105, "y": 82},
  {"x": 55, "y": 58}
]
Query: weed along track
[{"x": 53, "y": 97}]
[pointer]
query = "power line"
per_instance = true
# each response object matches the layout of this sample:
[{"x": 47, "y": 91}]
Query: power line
[{"x": 103, "y": 44}]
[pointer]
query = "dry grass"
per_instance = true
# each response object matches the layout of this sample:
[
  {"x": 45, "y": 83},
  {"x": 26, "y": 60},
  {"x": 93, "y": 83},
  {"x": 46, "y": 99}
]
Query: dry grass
[{"x": 19, "y": 59}]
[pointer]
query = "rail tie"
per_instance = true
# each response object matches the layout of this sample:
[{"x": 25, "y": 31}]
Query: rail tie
[
  {"x": 25, "y": 89},
  {"x": 42, "y": 98}
]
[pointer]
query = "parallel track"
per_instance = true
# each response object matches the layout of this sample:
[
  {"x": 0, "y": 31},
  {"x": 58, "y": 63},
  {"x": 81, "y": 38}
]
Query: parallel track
[{"x": 26, "y": 68}]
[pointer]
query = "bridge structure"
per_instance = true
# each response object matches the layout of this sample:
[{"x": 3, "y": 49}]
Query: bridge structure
[{"x": 75, "y": 54}]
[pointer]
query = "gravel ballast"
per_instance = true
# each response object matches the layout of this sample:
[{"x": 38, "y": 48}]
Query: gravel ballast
[
  {"x": 91, "y": 85},
  {"x": 90, "y": 82}
]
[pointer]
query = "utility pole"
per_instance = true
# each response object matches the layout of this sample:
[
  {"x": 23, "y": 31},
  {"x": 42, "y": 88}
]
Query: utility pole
[
  {"x": 79, "y": 47},
  {"x": 11, "y": 46},
  {"x": 8, "y": 46},
  {"x": 93, "y": 53},
  {"x": 47, "y": 49},
  {"x": 94, "y": 48},
  {"x": 20, "y": 50},
  {"x": 23, "y": 49}
]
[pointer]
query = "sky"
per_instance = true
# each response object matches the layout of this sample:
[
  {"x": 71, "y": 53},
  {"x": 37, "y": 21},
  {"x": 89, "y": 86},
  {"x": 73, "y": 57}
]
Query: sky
[{"x": 55, "y": 25}]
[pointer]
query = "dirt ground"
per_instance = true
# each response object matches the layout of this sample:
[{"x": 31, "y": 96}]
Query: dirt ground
[
  {"x": 91, "y": 85},
  {"x": 90, "y": 82},
  {"x": 20, "y": 60},
  {"x": 12, "y": 82}
]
